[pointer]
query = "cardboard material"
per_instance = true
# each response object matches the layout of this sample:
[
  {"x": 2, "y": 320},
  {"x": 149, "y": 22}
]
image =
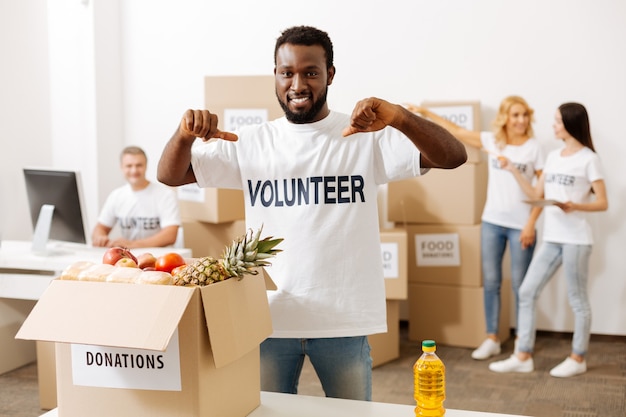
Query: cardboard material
[
  {"x": 454, "y": 316},
  {"x": 394, "y": 252},
  {"x": 385, "y": 347},
  {"x": 213, "y": 205},
  {"x": 14, "y": 353},
  {"x": 223, "y": 93},
  {"x": 439, "y": 245},
  {"x": 237, "y": 101},
  {"x": 208, "y": 239},
  {"x": 442, "y": 196},
  {"x": 219, "y": 328},
  {"x": 465, "y": 114},
  {"x": 46, "y": 375}
]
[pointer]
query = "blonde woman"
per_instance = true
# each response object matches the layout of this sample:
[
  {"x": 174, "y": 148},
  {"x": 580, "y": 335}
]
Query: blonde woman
[{"x": 506, "y": 220}]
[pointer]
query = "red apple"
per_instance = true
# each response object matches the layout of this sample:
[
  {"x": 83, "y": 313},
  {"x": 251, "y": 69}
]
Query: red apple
[
  {"x": 146, "y": 260},
  {"x": 114, "y": 254},
  {"x": 126, "y": 262}
]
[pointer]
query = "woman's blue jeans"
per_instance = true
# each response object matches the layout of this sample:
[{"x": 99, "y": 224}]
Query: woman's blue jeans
[
  {"x": 494, "y": 240},
  {"x": 575, "y": 261},
  {"x": 343, "y": 365}
]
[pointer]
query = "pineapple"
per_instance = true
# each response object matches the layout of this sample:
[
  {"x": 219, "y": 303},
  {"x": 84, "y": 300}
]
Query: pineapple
[{"x": 244, "y": 253}]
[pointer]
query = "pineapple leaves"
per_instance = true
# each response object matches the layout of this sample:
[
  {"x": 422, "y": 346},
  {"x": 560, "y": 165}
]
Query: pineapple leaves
[{"x": 240, "y": 257}]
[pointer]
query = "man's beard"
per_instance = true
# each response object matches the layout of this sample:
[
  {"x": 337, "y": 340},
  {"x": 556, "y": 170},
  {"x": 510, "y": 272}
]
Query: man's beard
[{"x": 307, "y": 116}]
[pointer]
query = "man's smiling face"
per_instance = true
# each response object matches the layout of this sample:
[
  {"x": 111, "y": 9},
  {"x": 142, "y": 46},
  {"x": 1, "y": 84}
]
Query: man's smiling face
[{"x": 302, "y": 81}]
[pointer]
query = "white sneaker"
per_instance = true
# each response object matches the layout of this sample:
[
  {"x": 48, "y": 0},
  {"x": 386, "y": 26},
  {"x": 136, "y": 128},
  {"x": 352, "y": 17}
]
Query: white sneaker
[
  {"x": 487, "y": 349},
  {"x": 569, "y": 367},
  {"x": 513, "y": 364}
]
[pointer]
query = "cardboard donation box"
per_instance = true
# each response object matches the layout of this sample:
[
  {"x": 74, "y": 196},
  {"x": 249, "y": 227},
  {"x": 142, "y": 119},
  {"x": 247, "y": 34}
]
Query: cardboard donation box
[
  {"x": 441, "y": 196},
  {"x": 47, "y": 375},
  {"x": 463, "y": 113},
  {"x": 454, "y": 316},
  {"x": 445, "y": 254},
  {"x": 393, "y": 245},
  {"x": 212, "y": 205},
  {"x": 237, "y": 101},
  {"x": 154, "y": 350},
  {"x": 209, "y": 239},
  {"x": 14, "y": 353},
  {"x": 385, "y": 347}
]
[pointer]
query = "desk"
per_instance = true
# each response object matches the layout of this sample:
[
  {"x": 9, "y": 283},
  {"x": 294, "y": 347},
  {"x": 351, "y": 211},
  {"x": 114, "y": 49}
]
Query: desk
[
  {"x": 25, "y": 276},
  {"x": 287, "y": 405}
]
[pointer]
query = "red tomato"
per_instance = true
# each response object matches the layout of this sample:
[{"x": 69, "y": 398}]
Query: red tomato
[{"x": 168, "y": 262}]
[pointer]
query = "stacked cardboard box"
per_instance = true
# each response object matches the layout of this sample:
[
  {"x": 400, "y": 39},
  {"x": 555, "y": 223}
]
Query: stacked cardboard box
[
  {"x": 386, "y": 346},
  {"x": 210, "y": 239},
  {"x": 15, "y": 353},
  {"x": 237, "y": 101},
  {"x": 441, "y": 212}
]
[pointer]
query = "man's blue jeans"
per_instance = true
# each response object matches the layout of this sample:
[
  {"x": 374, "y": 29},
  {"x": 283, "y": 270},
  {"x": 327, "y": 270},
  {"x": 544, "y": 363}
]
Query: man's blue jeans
[
  {"x": 343, "y": 365},
  {"x": 493, "y": 244}
]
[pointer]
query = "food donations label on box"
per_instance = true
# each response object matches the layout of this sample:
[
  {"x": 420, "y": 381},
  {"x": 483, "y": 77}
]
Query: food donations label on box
[
  {"x": 437, "y": 249},
  {"x": 235, "y": 118},
  {"x": 191, "y": 192},
  {"x": 460, "y": 115},
  {"x": 101, "y": 366},
  {"x": 389, "y": 252}
]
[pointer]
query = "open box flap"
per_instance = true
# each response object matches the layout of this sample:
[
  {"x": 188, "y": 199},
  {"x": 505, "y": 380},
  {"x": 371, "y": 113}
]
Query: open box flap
[
  {"x": 107, "y": 314},
  {"x": 238, "y": 315}
]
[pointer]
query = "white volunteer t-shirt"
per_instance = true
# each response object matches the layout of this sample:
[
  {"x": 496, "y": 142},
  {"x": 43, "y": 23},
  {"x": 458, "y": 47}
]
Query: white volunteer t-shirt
[
  {"x": 143, "y": 213},
  {"x": 569, "y": 178},
  {"x": 504, "y": 205},
  {"x": 317, "y": 190}
]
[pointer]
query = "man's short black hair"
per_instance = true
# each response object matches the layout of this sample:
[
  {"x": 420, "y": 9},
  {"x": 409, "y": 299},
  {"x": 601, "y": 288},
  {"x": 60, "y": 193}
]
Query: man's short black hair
[{"x": 306, "y": 35}]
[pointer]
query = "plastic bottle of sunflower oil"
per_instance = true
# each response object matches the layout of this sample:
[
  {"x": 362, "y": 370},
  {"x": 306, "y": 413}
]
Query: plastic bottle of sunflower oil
[{"x": 429, "y": 374}]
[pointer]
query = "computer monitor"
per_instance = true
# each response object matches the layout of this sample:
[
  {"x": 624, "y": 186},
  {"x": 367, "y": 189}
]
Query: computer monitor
[{"x": 57, "y": 209}]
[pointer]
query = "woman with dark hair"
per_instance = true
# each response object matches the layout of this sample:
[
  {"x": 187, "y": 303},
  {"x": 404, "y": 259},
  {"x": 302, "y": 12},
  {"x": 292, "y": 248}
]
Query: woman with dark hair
[
  {"x": 572, "y": 184},
  {"x": 506, "y": 220}
]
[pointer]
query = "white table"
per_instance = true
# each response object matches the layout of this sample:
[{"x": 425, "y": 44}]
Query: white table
[
  {"x": 24, "y": 277},
  {"x": 287, "y": 405}
]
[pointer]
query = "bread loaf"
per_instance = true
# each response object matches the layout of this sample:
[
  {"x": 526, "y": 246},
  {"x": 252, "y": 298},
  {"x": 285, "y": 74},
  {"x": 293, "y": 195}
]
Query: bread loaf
[
  {"x": 72, "y": 271},
  {"x": 124, "y": 275},
  {"x": 96, "y": 272},
  {"x": 155, "y": 277},
  {"x": 89, "y": 271}
]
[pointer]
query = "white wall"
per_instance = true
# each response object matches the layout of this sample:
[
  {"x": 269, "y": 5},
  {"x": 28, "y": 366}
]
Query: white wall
[
  {"x": 549, "y": 52},
  {"x": 24, "y": 107}
]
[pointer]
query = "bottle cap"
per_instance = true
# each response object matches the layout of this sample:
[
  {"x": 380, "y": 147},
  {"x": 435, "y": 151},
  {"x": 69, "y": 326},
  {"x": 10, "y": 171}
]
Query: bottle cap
[{"x": 428, "y": 345}]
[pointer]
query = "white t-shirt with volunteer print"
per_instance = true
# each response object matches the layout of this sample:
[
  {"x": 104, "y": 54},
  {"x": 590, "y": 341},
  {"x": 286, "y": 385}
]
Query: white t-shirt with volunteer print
[
  {"x": 569, "y": 178},
  {"x": 141, "y": 214},
  {"x": 504, "y": 205},
  {"x": 317, "y": 190}
]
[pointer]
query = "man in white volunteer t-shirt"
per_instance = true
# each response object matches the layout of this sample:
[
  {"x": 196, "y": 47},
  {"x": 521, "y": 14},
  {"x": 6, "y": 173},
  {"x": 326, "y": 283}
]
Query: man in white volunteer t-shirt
[
  {"x": 147, "y": 212},
  {"x": 312, "y": 178}
]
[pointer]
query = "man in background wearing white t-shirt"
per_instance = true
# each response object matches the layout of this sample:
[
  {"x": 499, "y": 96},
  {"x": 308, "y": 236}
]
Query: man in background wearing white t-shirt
[
  {"x": 312, "y": 178},
  {"x": 147, "y": 212}
]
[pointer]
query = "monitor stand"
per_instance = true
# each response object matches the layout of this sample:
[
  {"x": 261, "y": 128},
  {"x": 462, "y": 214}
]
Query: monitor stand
[{"x": 42, "y": 233}]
